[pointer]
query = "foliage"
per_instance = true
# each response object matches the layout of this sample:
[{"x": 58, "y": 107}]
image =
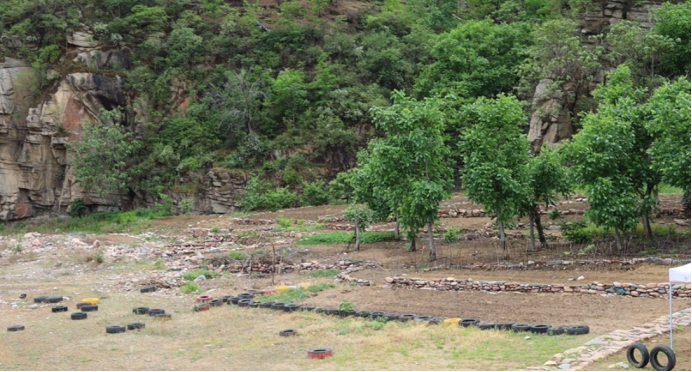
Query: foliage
[
  {"x": 340, "y": 237},
  {"x": 362, "y": 215},
  {"x": 314, "y": 193},
  {"x": 495, "y": 156},
  {"x": 319, "y": 287},
  {"x": 77, "y": 208},
  {"x": 190, "y": 287},
  {"x": 277, "y": 199},
  {"x": 289, "y": 295},
  {"x": 672, "y": 21},
  {"x": 238, "y": 256},
  {"x": 670, "y": 129},
  {"x": 411, "y": 163},
  {"x": 451, "y": 235},
  {"x": 103, "y": 157},
  {"x": 346, "y": 305},
  {"x": 322, "y": 273}
]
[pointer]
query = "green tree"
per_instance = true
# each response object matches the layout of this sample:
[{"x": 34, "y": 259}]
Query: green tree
[
  {"x": 477, "y": 58},
  {"x": 495, "y": 155},
  {"x": 410, "y": 165},
  {"x": 669, "y": 127},
  {"x": 104, "y": 157},
  {"x": 609, "y": 157},
  {"x": 548, "y": 178},
  {"x": 362, "y": 217},
  {"x": 673, "y": 22}
]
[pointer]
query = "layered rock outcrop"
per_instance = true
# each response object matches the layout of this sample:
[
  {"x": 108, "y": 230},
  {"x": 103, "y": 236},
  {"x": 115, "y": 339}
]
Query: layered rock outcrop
[{"x": 554, "y": 106}]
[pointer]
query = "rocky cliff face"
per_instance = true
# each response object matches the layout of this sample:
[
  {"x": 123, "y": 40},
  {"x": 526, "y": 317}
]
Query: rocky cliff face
[
  {"x": 551, "y": 121},
  {"x": 35, "y": 173}
]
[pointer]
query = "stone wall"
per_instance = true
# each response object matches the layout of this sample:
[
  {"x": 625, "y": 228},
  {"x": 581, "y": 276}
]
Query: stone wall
[{"x": 653, "y": 290}]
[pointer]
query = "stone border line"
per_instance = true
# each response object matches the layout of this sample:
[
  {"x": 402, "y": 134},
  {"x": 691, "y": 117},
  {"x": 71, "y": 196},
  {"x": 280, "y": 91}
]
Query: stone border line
[
  {"x": 607, "y": 345},
  {"x": 650, "y": 290},
  {"x": 557, "y": 264}
]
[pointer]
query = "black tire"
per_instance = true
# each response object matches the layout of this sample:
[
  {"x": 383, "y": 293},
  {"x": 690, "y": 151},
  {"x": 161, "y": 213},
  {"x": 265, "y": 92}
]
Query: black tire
[
  {"x": 422, "y": 318},
  {"x": 217, "y": 302},
  {"x": 246, "y": 295},
  {"x": 577, "y": 330},
  {"x": 154, "y": 312},
  {"x": 378, "y": 314},
  {"x": 540, "y": 328},
  {"x": 321, "y": 310},
  {"x": 80, "y": 304},
  {"x": 435, "y": 321},
  {"x": 292, "y": 307},
  {"x": 307, "y": 308},
  {"x": 234, "y": 300},
  {"x": 520, "y": 327},
  {"x": 633, "y": 360},
  {"x": 115, "y": 329},
  {"x": 363, "y": 313},
  {"x": 58, "y": 309},
  {"x": 288, "y": 332},
  {"x": 88, "y": 308},
  {"x": 40, "y": 299},
  {"x": 149, "y": 288},
  {"x": 653, "y": 358},
  {"x": 15, "y": 328},
  {"x": 245, "y": 302},
  {"x": 266, "y": 305},
  {"x": 468, "y": 322},
  {"x": 485, "y": 326},
  {"x": 556, "y": 331},
  {"x": 53, "y": 300},
  {"x": 225, "y": 299},
  {"x": 78, "y": 316},
  {"x": 330, "y": 311},
  {"x": 504, "y": 326},
  {"x": 345, "y": 313},
  {"x": 254, "y": 304},
  {"x": 140, "y": 310},
  {"x": 392, "y": 316},
  {"x": 276, "y": 305},
  {"x": 406, "y": 317},
  {"x": 137, "y": 325}
]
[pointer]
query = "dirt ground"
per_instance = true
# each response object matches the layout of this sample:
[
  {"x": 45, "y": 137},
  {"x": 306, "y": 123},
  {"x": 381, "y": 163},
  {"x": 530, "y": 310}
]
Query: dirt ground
[{"x": 74, "y": 272}]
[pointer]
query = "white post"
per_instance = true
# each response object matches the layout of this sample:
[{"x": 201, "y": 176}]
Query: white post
[{"x": 670, "y": 309}]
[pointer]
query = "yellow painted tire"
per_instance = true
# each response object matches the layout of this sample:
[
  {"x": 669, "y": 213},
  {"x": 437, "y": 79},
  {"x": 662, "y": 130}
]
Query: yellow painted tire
[
  {"x": 282, "y": 288},
  {"x": 93, "y": 301},
  {"x": 451, "y": 321}
]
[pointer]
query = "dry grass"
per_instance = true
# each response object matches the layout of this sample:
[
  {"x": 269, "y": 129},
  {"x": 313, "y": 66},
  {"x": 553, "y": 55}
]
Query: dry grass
[{"x": 246, "y": 339}]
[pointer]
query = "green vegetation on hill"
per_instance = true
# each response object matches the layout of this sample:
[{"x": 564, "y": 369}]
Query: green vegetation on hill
[{"x": 285, "y": 96}]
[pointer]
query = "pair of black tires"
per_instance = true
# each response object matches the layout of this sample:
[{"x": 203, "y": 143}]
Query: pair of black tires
[{"x": 651, "y": 356}]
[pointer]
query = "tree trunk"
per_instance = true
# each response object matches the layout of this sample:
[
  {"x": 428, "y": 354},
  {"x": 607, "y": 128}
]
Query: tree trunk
[
  {"x": 647, "y": 226},
  {"x": 413, "y": 244},
  {"x": 539, "y": 228},
  {"x": 502, "y": 231},
  {"x": 531, "y": 235},
  {"x": 431, "y": 243},
  {"x": 357, "y": 234},
  {"x": 618, "y": 240},
  {"x": 397, "y": 225}
]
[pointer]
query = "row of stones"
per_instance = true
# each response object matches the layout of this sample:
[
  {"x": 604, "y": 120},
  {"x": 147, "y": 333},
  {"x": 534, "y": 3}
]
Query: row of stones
[
  {"x": 604, "y": 346},
  {"x": 652, "y": 290},
  {"x": 560, "y": 263}
]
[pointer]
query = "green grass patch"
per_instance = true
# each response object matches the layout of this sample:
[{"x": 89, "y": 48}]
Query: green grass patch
[
  {"x": 190, "y": 287},
  {"x": 96, "y": 223},
  {"x": 322, "y": 273},
  {"x": 319, "y": 287},
  {"x": 237, "y": 255},
  {"x": 192, "y": 274},
  {"x": 290, "y": 295},
  {"x": 342, "y": 237}
]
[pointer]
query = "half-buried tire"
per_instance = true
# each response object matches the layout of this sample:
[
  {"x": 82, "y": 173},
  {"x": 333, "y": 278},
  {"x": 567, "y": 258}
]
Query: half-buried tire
[
  {"x": 134, "y": 326},
  {"x": 540, "y": 328},
  {"x": 577, "y": 330},
  {"x": 78, "y": 316},
  {"x": 115, "y": 329},
  {"x": 520, "y": 327}
]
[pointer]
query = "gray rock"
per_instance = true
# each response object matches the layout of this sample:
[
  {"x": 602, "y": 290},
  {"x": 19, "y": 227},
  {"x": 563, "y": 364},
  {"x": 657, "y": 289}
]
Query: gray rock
[
  {"x": 200, "y": 278},
  {"x": 564, "y": 366},
  {"x": 595, "y": 341}
]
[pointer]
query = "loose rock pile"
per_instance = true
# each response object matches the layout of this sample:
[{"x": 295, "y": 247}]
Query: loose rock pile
[
  {"x": 606, "y": 345},
  {"x": 557, "y": 264},
  {"x": 652, "y": 290}
]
